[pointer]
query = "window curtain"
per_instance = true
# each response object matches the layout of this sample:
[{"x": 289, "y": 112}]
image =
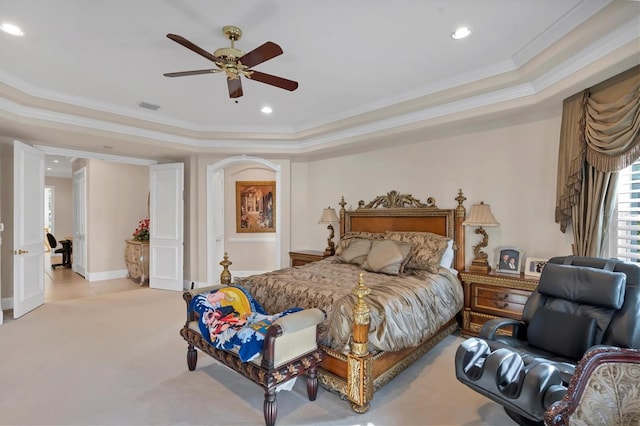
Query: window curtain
[{"x": 599, "y": 136}]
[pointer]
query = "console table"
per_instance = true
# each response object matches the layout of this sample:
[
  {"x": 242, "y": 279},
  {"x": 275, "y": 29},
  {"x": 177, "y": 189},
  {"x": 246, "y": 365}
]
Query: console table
[{"x": 136, "y": 257}]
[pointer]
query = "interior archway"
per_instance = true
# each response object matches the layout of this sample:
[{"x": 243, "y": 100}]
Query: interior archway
[{"x": 216, "y": 208}]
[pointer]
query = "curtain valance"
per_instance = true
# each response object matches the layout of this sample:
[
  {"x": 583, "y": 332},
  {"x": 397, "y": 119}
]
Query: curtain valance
[
  {"x": 612, "y": 131},
  {"x": 600, "y": 128}
]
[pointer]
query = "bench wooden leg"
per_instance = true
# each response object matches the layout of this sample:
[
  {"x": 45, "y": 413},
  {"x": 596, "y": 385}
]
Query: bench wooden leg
[
  {"x": 270, "y": 407},
  {"x": 192, "y": 357},
  {"x": 312, "y": 383}
]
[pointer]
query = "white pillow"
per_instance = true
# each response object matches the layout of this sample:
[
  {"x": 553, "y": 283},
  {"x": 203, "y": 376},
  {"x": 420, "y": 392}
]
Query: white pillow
[{"x": 447, "y": 256}]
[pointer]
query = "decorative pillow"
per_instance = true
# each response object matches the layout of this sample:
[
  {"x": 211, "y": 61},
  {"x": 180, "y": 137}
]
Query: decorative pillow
[
  {"x": 428, "y": 248},
  {"x": 387, "y": 257},
  {"x": 561, "y": 333},
  {"x": 355, "y": 252},
  {"x": 344, "y": 239}
]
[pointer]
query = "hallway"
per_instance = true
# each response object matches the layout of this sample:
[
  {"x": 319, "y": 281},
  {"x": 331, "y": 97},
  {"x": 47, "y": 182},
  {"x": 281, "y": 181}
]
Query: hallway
[{"x": 64, "y": 284}]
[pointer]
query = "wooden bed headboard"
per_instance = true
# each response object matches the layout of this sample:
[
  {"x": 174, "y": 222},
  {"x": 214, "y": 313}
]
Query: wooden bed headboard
[{"x": 403, "y": 212}]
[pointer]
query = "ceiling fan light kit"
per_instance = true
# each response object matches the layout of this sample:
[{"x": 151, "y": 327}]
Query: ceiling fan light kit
[{"x": 235, "y": 63}]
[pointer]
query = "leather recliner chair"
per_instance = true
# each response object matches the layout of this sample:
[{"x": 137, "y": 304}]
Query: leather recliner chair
[{"x": 580, "y": 302}]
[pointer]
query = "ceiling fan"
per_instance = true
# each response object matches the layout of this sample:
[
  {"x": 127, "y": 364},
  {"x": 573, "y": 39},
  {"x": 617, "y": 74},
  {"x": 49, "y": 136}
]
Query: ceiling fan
[{"x": 235, "y": 63}]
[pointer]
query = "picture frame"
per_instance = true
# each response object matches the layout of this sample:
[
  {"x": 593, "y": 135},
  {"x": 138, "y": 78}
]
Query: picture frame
[
  {"x": 509, "y": 260},
  {"x": 534, "y": 265},
  {"x": 255, "y": 206}
]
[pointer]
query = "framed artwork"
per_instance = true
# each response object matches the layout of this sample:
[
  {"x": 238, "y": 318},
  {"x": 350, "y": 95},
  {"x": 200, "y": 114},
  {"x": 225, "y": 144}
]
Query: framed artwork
[
  {"x": 534, "y": 265},
  {"x": 510, "y": 260},
  {"x": 255, "y": 206}
]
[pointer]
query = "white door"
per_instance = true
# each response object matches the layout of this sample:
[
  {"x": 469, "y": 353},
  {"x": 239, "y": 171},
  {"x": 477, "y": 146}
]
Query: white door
[
  {"x": 166, "y": 207},
  {"x": 80, "y": 221},
  {"x": 28, "y": 228}
]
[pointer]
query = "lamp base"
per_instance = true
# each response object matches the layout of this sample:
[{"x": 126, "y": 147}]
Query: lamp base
[{"x": 480, "y": 266}]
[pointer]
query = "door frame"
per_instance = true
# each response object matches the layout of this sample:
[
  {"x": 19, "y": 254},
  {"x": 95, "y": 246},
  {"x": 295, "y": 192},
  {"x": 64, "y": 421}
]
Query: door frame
[{"x": 80, "y": 238}]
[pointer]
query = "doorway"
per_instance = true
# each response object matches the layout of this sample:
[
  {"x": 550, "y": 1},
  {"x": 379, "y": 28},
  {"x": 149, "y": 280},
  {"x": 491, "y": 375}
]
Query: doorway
[{"x": 70, "y": 214}]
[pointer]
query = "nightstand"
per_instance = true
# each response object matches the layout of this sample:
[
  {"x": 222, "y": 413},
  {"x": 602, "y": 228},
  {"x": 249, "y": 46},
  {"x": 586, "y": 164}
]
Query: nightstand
[
  {"x": 487, "y": 296},
  {"x": 302, "y": 257}
]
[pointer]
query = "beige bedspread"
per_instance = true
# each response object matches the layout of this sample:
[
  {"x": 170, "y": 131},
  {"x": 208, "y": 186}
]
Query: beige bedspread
[{"x": 404, "y": 310}]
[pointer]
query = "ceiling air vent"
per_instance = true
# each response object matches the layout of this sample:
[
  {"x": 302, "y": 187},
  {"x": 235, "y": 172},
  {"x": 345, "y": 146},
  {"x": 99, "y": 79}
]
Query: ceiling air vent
[{"x": 147, "y": 105}]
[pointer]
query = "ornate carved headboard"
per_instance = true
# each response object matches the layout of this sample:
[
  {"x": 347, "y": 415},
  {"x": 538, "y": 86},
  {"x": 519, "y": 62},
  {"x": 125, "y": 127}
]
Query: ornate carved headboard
[{"x": 403, "y": 212}]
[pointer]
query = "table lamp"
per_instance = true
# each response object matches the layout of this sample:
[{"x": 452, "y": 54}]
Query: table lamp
[
  {"x": 480, "y": 216},
  {"x": 329, "y": 216}
]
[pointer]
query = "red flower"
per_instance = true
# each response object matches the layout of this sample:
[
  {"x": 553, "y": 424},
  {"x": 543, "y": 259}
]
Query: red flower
[{"x": 142, "y": 231}]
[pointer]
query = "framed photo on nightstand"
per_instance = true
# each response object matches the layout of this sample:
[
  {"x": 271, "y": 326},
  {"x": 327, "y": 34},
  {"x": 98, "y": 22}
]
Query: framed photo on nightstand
[
  {"x": 509, "y": 260},
  {"x": 533, "y": 266}
]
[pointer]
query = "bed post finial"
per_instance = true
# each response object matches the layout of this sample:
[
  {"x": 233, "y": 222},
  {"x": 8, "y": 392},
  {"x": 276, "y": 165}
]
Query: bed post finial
[
  {"x": 342, "y": 203},
  {"x": 225, "y": 276},
  {"x": 460, "y": 199}
]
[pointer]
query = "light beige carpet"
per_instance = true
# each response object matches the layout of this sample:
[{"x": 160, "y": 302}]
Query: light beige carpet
[{"x": 118, "y": 359}]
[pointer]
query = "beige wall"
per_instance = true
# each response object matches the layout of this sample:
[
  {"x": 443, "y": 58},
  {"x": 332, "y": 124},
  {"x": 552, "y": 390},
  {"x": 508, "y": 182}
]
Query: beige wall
[
  {"x": 63, "y": 206},
  {"x": 511, "y": 167},
  {"x": 509, "y": 164},
  {"x": 117, "y": 197}
]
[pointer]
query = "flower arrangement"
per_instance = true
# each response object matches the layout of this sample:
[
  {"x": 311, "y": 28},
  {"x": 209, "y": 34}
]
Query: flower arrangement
[{"x": 142, "y": 231}]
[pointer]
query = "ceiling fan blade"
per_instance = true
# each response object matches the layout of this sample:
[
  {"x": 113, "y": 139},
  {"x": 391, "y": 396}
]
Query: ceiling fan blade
[
  {"x": 235, "y": 87},
  {"x": 260, "y": 54},
  {"x": 195, "y": 72},
  {"x": 273, "y": 80},
  {"x": 200, "y": 51}
]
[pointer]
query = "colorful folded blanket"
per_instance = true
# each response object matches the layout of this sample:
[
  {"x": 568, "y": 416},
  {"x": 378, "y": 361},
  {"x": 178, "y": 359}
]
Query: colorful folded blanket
[{"x": 230, "y": 319}]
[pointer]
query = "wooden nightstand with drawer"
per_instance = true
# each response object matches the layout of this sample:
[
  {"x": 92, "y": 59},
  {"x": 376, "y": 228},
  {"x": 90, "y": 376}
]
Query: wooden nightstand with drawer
[
  {"x": 487, "y": 296},
  {"x": 302, "y": 257}
]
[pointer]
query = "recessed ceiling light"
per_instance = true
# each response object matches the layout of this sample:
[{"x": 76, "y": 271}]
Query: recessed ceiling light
[
  {"x": 266, "y": 110},
  {"x": 460, "y": 33},
  {"x": 56, "y": 161},
  {"x": 11, "y": 29}
]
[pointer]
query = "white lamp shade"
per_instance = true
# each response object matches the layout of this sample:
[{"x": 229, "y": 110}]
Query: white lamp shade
[
  {"x": 329, "y": 216},
  {"x": 480, "y": 215}
]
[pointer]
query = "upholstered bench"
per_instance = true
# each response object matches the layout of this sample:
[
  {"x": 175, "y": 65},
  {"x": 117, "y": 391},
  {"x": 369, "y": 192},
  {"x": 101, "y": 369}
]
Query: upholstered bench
[{"x": 290, "y": 350}]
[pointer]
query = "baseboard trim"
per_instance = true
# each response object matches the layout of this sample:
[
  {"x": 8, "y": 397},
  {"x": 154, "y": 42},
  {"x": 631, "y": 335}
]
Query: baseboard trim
[{"x": 107, "y": 275}]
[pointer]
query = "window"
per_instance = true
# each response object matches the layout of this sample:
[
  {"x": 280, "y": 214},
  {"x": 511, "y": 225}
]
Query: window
[{"x": 624, "y": 233}]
